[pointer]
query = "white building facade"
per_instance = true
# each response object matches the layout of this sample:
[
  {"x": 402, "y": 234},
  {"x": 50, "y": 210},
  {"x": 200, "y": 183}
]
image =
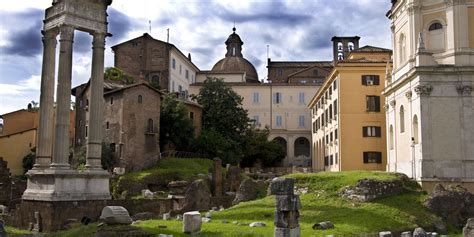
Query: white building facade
[{"x": 430, "y": 106}]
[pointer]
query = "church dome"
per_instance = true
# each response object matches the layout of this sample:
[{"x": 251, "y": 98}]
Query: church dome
[{"x": 234, "y": 61}]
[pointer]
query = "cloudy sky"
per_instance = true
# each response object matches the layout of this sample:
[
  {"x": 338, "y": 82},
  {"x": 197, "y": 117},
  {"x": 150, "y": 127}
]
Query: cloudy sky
[{"x": 297, "y": 30}]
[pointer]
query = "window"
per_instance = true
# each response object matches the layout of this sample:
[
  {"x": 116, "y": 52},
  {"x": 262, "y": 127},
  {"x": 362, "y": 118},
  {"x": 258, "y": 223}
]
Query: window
[
  {"x": 192, "y": 78},
  {"x": 330, "y": 91},
  {"x": 335, "y": 134},
  {"x": 402, "y": 119},
  {"x": 372, "y": 157},
  {"x": 373, "y": 103},
  {"x": 112, "y": 100},
  {"x": 330, "y": 112},
  {"x": 150, "y": 128},
  {"x": 186, "y": 73},
  {"x": 173, "y": 63},
  {"x": 334, "y": 85},
  {"x": 331, "y": 137},
  {"x": 301, "y": 98},
  {"x": 371, "y": 131},
  {"x": 435, "y": 26},
  {"x": 415, "y": 129},
  {"x": 278, "y": 121},
  {"x": 370, "y": 80},
  {"x": 331, "y": 160},
  {"x": 191, "y": 116},
  {"x": 280, "y": 72},
  {"x": 112, "y": 147},
  {"x": 402, "y": 48},
  {"x": 172, "y": 86},
  {"x": 256, "y": 98},
  {"x": 140, "y": 99},
  {"x": 277, "y": 98},
  {"x": 180, "y": 69},
  {"x": 327, "y": 116},
  {"x": 327, "y": 138},
  {"x": 87, "y": 128},
  {"x": 314, "y": 126},
  {"x": 107, "y": 125},
  {"x": 322, "y": 120},
  {"x": 337, "y": 159},
  {"x": 335, "y": 107},
  {"x": 326, "y": 161},
  {"x": 256, "y": 120},
  {"x": 301, "y": 121}
]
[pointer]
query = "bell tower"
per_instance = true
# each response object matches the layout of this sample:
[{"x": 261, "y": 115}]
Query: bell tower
[{"x": 342, "y": 46}]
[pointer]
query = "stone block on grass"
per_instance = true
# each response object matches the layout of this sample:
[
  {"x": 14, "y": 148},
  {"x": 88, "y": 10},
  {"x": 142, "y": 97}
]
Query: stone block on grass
[
  {"x": 192, "y": 222},
  {"x": 282, "y": 186},
  {"x": 115, "y": 215}
]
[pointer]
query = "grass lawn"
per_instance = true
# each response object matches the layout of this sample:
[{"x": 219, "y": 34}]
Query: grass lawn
[
  {"x": 320, "y": 203},
  {"x": 185, "y": 168}
]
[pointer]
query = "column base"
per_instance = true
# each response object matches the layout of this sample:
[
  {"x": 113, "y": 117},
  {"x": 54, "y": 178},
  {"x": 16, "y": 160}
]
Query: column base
[{"x": 67, "y": 185}]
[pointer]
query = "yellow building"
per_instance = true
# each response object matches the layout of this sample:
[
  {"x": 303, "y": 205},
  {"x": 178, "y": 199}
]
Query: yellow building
[
  {"x": 19, "y": 137},
  {"x": 347, "y": 116}
]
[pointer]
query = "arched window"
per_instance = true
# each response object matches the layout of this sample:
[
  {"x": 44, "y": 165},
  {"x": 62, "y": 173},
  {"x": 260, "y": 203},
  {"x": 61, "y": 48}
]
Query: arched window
[
  {"x": 340, "y": 56},
  {"x": 435, "y": 37},
  {"x": 402, "y": 119},
  {"x": 140, "y": 99},
  {"x": 402, "y": 48},
  {"x": 391, "y": 137},
  {"x": 415, "y": 130},
  {"x": 350, "y": 46},
  {"x": 435, "y": 26},
  {"x": 339, "y": 47},
  {"x": 150, "y": 126}
]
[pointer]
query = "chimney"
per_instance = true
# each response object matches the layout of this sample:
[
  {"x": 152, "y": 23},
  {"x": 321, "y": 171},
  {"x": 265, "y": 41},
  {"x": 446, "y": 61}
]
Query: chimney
[{"x": 189, "y": 56}]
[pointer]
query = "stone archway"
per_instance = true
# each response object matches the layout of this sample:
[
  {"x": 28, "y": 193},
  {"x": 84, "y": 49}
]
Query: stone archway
[{"x": 302, "y": 147}]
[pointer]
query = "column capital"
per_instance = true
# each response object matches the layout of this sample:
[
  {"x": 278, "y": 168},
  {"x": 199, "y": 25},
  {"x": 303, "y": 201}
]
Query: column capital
[{"x": 66, "y": 32}]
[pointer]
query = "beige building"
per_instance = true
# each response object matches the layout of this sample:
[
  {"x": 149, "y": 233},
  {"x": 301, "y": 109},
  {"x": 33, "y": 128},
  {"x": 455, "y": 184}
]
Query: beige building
[
  {"x": 347, "y": 120},
  {"x": 430, "y": 106},
  {"x": 281, "y": 105}
]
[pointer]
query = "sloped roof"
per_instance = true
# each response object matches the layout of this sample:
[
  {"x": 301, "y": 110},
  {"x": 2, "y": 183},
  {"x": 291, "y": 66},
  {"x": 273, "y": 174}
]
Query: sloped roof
[{"x": 369, "y": 48}]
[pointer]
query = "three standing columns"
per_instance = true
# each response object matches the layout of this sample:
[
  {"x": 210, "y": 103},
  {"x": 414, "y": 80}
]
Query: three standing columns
[{"x": 54, "y": 151}]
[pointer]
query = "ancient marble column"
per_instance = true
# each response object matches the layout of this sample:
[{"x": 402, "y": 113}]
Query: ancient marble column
[
  {"x": 63, "y": 98},
  {"x": 96, "y": 103},
  {"x": 46, "y": 114}
]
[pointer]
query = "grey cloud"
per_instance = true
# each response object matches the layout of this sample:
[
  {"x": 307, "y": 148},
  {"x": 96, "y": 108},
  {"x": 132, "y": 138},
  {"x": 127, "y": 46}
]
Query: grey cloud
[
  {"x": 23, "y": 42},
  {"x": 119, "y": 25}
]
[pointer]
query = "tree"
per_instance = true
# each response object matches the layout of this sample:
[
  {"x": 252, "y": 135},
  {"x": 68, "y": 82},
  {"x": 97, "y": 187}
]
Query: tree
[
  {"x": 222, "y": 109},
  {"x": 117, "y": 75},
  {"x": 259, "y": 148},
  {"x": 176, "y": 128},
  {"x": 29, "y": 160},
  {"x": 223, "y": 120}
]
